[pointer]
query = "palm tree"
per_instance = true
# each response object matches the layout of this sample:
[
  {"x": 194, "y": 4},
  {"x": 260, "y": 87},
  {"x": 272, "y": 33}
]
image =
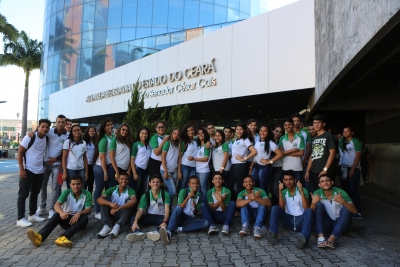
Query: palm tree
[
  {"x": 26, "y": 54},
  {"x": 8, "y": 30}
]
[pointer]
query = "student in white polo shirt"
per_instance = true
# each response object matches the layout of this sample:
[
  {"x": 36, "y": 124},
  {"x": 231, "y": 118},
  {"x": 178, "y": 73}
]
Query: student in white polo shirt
[
  {"x": 90, "y": 138},
  {"x": 292, "y": 146},
  {"x": 140, "y": 155},
  {"x": 74, "y": 160},
  {"x": 220, "y": 155},
  {"x": 116, "y": 204},
  {"x": 30, "y": 161},
  {"x": 72, "y": 210},
  {"x": 188, "y": 149},
  {"x": 157, "y": 142},
  {"x": 293, "y": 212},
  {"x": 332, "y": 207}
]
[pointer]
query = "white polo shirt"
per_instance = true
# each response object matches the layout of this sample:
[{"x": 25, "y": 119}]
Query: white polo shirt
[
  {"x": 191, "y": 150},
  {"x": 75, "y": 154},
  {"x": 202, "y": 152},
  {"x": 90, "y": 153},
  {"x": 116, "y": 197},
  {"x": 35, "y": 154},
  {"x": 122, "y": 153},
  {"x": 55, "y": 146},
  {"x": 348, "y": 156},
  {"x": 171, "y": 157},
  {"x": 294, "y": 204},
  {"x": 261, "y": 153},
  {"x": 290, "y": 162},
  {"x": 141, "y": 153},
  {"x": 70, "y": 204},
  {"x": 332, "y": 207},
  {"x": 239, "y": 147}
]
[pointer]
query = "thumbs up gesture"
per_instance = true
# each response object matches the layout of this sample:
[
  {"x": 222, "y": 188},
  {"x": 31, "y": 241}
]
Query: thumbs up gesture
[
  {"x": 315, "y": 198},
  {"x": 299, "y": 185},
  {"x": 338, "y": 198},
  {"x": 280, "y": 186}
]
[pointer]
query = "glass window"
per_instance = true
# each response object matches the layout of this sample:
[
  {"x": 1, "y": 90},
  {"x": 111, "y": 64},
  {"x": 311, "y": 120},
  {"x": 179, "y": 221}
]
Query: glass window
[
  {"x": 77, "y": 19},
  {"x": 122, "y": 56},
  {"x": 46, "y": 109},
  {"x": 53, "y": 7},
  {"x": 235, "y": 4},
  {"x": 127, "y": 34},
  {"x": 129, "y": 13},
  {"x": 211, "y": 28},
  {"x": 67, "y": 43},
  {"x": 144, "y": 13},
  {"x": 223, "y": 2},
  {"x": 52, "y": 28},
  {"x": 206, "y": 14},
  {"x": 88, "y": 17},
  {"x": 149, "y": 42},
  {"x": 68, "y": 17},
  {"x": 99, "y": 37},
  {"x": 77, "y": 2},
  {"x": 264, "y": 6},
  {"x": 244, "y": 15},
  {"x": 98, "y": 60},
  {"x": 100, "y": 18},
  {"x": 135, "y": 49},
  {"x": 87, "y": 39},
  {"x": 49, "y": 74},
  {"x": 245, "y": 6},
  {"x": 113, "y": 36},
  {"x": 85, "y": 63},
  {"x": 177, "y": 37},
  {"x": 59, "y": 28},
  {"x": 109, "y": 63},
  {"x": 255, "y": 8},
  {"x": 75, "y": 41},
  {"x": 220, "y": 14},
  {"x": 175, "y": 14},
  {"x": 191, "y": 14},
  {"x": 208, "y": 1},
  {"x": 60, "y": 5},
  {"x": 73, "y": 64},
  {"x": 233, "y": 14},
  {"x": 160, "y": 14},
  {"x": 67, "y": 4},
  {"x": 158, "y": 31},
  {"x": 143, "y": 32},
  {"x": 56, "y": 68},
  {"x": 58, "y": 45},
  {"x": 162, "y": 42},
  {"x": 114, "y": 13}
]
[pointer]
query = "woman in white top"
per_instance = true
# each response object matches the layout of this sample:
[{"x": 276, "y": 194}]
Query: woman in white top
[
  {"x": 74, "y": 159},
  {"x": 157, "y": 141},
  {"x": 170, "y": 162},
  {"x": 239, "y": 168},
  {"x": 262, "y": 162},
  {"x": 120, "y": 152},
  {"x": 90, "y": 138},
  {"x": 140, "y": 155},
  {"x": 220, "y": 155},
  {"x": 188, "y": 148},
  {"x": 277, "y": 174}
]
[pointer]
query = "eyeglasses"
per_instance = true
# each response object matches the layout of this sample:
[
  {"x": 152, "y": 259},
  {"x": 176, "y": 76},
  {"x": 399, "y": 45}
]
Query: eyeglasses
[
  {"x": 281, "y": 132},
  {"x": 124, "y": 130},
  {"x": 160, "y": 127},
  {"x": 210, "y": 128}
]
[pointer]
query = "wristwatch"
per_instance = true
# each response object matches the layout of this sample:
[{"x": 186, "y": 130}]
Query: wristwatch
[
  {"x": 325, "y": 168},
  {"x": 270, "y": 161}
]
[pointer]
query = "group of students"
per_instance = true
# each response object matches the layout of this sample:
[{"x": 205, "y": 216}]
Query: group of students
[{"x": 247, "y": 170}]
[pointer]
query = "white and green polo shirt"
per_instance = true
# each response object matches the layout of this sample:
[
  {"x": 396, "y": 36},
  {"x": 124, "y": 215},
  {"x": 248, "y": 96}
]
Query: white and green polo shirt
[
  {"x": 240, "y": 147},
  {"x": 307, "y": 140},
  {"x": 171, "y": 157},
  {"x": 290, "y": 162},
  {"x": 333, "y": 207},
  {"x": 202, "y": 152},
  {"x": 294, "y": 203},
  {"x": 348, "y": 156},
  {"x": 188, "y": 209},
  {"x": 141, "y": 153},
  {"x": 116, "y": 197},
  {"x": 157, "y": 206},
  {"x": 72, "y": 205},
  {"x": 104, "y": 147},
  {"x": 253, "y": 204},
  {"x": 211, "y": 199},
  {"x": 189, "y": 149},
  {"x": 122, "y": 152},
  {"x": 218, "y": 157},
  {"x": 155, "y": 142},
  {"x": 261, "y": 153}
]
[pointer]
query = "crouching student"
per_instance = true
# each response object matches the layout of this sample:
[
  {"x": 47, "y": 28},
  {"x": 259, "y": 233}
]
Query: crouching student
[
  {"x": 333, "y": 208},
  {"x": 293, "y": 211},
  {"x": 220, "y": 208},
  {"x": 154, "y": 209},
  {"x": 182, "y": 218},
  {"x": 116, "y": 205},
  {"x": 71, "y": 213},
  {"x": 253, "y": 203}
]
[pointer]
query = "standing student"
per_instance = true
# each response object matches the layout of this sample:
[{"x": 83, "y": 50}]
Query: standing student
[
  {"x": 350, "y": 149},
  {"x": 68, "y": 125},
  {"x": 253, "y": 136},
  {"x": 276, "y": 166},
  {"x": 120, "y": 150},
  {"x": 228, "y": 139},
  {"x": 74, "y": 160},
  {"x": 211, "y": 131},
  {"x": 90, "y": 138},
  {"x": 220, "y": 155},
  {"x": 140, "y": 155},
  {"x": 311, "y": 130},
  {"x": 262, "y": 162},
  {"x": 103, "y": 161},
  {"x": 239, "y": 168},
  {"x": 322, "y": 155},
  {"x": 170, "y": 162},
  {"x": 188, "y": 149},
  {"x": 157, "y": 142},
  {"x": 30, "y": 162}
]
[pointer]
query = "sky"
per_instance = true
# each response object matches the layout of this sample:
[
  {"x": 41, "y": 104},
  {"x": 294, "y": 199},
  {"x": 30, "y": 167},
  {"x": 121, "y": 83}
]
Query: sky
[{"x": 26, "y": 15}]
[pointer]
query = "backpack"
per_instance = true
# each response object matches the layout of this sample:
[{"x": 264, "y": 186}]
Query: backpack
[{"x": 33, "y": 141}]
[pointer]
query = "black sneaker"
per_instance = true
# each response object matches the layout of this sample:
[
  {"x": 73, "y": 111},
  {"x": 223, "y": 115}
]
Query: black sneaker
[{"x": 301, "y": 241}]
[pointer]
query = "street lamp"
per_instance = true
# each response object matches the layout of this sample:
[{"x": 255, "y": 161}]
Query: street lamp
[{"x": 17, "y": 127}]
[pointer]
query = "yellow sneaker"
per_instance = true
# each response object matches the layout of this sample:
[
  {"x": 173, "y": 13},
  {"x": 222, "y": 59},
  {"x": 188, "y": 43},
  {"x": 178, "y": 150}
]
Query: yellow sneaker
[
  {"x": 35, "y": 237},
  {"x": 63, "y": 242}
]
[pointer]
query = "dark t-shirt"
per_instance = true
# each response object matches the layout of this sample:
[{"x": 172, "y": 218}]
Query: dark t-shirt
[{"x": 320, "y": 151}]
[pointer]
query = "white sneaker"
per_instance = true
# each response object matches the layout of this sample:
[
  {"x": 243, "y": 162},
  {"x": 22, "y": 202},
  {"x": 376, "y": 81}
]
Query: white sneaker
[
  {"x": 51, "y": 213},
  {"x": 23, "y": 223},
  {"x": 98, "y": 216},
  {"x": 114, "y": 232},
  {"x": 40, "y": 211},
  {"x": 35, "y": 218},
  {"x": 136, "y": 236},
  {"x": 104, "y": 232},
  {"x": 153, "y": 235}
]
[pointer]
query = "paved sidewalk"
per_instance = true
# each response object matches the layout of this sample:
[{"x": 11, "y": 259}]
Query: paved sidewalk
[{"x": 373, "y": 241}]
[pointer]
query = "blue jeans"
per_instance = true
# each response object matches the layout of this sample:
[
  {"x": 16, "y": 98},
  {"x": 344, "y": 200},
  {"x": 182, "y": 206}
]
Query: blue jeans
[
  {"x": 171, "y": 183},
  {"x": 352, "y": 187},
  {"x": 213, "y": 216},
  {"x": 71, "y": 173},
  {"x": 186, "y": 171},
  {"x": 300, "y": 223},
  {"x": 250, "y": 214},
  {"x": 203, "y": 177},
  {"x": 100, "y": 184},
  {"x": 55, "y": 186},
  {"x": 142, "y": 182},
  {"x": 188, "y": 223},
  {"x": 261, "y": 174},
  {"x": 338, "y": 227}
]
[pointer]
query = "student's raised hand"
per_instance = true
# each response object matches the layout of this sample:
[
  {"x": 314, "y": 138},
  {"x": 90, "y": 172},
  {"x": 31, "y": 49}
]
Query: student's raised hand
[
  {"x": 338, "y": 198},
  {"x": 315, "y": 198},
  {"x": 300, "y": 186},
  {"x": 191, "y": 194},
  {"x": 280, "y": 186}
]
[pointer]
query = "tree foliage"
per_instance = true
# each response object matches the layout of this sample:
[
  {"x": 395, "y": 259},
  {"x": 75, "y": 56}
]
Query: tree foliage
[
  {"x": 177, "y": 117},
  {"x": 10, "y": 33}
]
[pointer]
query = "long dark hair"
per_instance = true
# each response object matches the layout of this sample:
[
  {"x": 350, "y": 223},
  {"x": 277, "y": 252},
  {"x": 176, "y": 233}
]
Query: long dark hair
[
  {"x": 124, "y": 140},
  {"x": 221, "y": 132},
  {"x": 147, "y": 141},
  {"x": 249, "y": 133},
  {"x": 172, "y": 142},
  {"x": 183, "y": 135},
  {"x": 268, "y": 138},
  {"x": 86, "y": 136},
  {"x": 102, "y": 133},
  {"x": 206, "y": 136},
  {"x": 71, "y": 136},
  {"x": 245, "y": 131}
]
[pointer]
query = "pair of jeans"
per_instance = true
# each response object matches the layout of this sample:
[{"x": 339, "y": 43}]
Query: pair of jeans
[
  {"x": 261, "y": 175},
  {"x": 213, "y": 216},
  {"x": 171, "y": 183},
  {"x": 186, "y": 172},
  {"x": 250, "y": 214},
  {"x": 142, "y": 182},
  {"x": 28, "y": 187},
  {"x": 70, "y": 229},
  {"x": 71, "y": 173},
  {"x": 188, "y": 223},
  {"x": 352, "y": 187},
  {"x": 153, "y": 167},
  {"x": 149, "y": 219},
  {"x": 88, "y": 185},
  {"x": 203, "y": 177},
  {"x": 338, "y": 226},
  {"x": 100, "y": 184},
  {"x": 120, "y": 217},
  {"x": 52, "y": 170},
  {"x": 238, "y": 172},
  {"x": 300, "y": 223},
  {"x": 276, "y": 178}
]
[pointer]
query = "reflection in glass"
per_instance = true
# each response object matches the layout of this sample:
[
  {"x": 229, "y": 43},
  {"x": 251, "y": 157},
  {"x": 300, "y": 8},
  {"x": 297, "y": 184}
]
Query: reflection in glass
[
  {"x": 191, "y": 14},
  {"x": 220, "y": 14},
  {"x": 206, "y": 14},
  {"x": 129, "y": 13},
  {"x": 127, "y": 34},
  {"x": 144, "y": 13},
  {"x": 233, "y": 15},
  {"x": 175, "y": 14},
  {"x": 113, "y": 36},
  {"x": 114, "y": 13}
]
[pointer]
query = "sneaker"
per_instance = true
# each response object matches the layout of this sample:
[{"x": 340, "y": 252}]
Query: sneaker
[
  {"x": 114, "y": 232},
  {"x": 165, "y": 235},
  {"x": 23, "y": 223},
  {"x": 98, "y": 216},
  {"x": 136, "y": 236},
  {"x": 245, "y": 230},
  {"x": 153, "y": 235},
  {"x": 212, "y": 230},
  {"x": 256, "y": 232},
  {"x": 41, "y": 211},
  {"x": 225, "y": 229},
  {"x": 301, "y": 241},
  {"x": 36, "y": 238},
  {"x": 51, "y": 213},
  {"x": 35, "y": 218},
  {"x": 357, "y": 216},
  {"x": 104, "y": 232},
  {"x": 272, "y": 238},
  {"x": 237, "y": 214},
  {"x": 62, "y": 241}
]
